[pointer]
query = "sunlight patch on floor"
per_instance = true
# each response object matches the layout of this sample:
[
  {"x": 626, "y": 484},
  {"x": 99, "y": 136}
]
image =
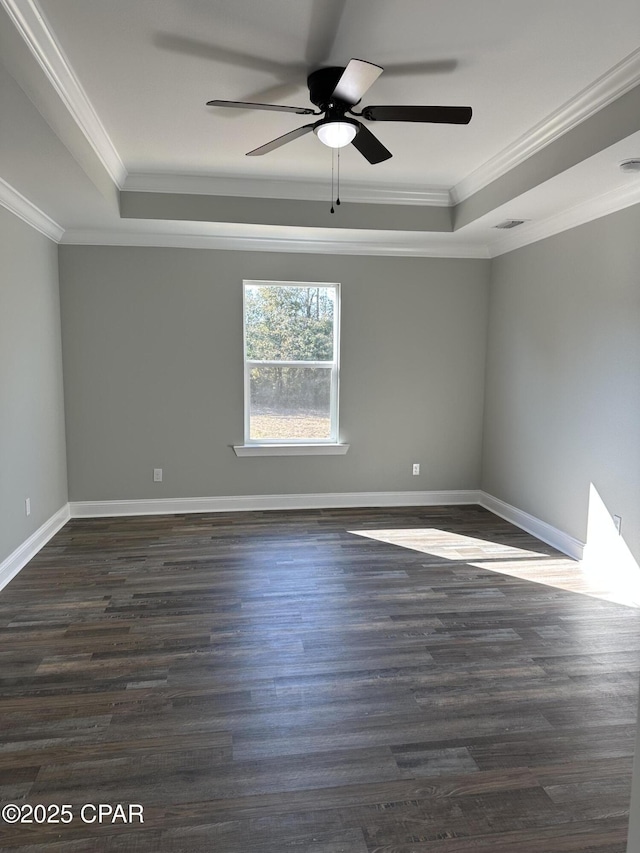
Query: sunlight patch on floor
[
  {"x": 606, "y": 572},
  {"x": 564, "y": 573},
  {"x": 449, "y": 546}
]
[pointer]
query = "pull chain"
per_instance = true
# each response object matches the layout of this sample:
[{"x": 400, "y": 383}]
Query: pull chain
[
  {"x": 333, "y": 160},
  {"x": 338, "y": 188}
]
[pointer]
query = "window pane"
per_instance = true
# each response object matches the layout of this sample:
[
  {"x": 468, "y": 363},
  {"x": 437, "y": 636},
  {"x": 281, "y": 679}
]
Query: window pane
[
  {"x": 286, "y": 323},
  {"x": 290, "y": 403}
]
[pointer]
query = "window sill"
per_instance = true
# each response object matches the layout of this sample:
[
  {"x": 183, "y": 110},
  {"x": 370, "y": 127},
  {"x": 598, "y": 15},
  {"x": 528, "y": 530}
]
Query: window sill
[{"x": 290, "y": 449}]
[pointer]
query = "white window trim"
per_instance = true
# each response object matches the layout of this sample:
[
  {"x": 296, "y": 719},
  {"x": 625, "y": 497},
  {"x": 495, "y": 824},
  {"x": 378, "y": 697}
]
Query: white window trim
[
  {"x": 294, "y": 447},
  {"x": 290, "y": 449}
]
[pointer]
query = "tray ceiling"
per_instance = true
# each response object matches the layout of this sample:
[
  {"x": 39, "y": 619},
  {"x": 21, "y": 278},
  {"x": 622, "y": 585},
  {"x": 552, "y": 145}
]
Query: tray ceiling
[{"x": 135, "y": 77}]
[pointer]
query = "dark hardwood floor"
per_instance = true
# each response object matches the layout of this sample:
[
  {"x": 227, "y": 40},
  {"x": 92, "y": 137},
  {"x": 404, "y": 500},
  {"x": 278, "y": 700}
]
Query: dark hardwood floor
[{"x": 288, "y": 682}]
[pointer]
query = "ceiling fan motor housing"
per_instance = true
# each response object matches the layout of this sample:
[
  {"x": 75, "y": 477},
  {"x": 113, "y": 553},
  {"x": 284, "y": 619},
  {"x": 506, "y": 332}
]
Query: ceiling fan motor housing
[{"x": 321, "y": 84}]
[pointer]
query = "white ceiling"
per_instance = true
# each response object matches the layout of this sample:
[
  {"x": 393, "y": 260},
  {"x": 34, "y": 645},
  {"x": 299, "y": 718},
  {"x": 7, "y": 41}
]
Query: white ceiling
[
  {"x": 150, "y": 66},
  {"x": 144, "y": 70}
]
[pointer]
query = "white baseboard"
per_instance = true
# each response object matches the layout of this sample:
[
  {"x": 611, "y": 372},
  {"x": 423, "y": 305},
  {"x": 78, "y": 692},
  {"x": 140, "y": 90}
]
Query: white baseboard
[
  {"x": 19, "y": 558},
  {"x": 540, "y": 529},
  {"x": 178, "y": 506},
  {"x": 10, "y": 567}
]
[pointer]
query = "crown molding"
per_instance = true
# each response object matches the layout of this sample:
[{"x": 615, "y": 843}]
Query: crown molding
[
  {"x": 609, "y": 87},
  {"x": 382, "y": 246},
  {"x": 36, "y": 32},
  {"x": 29, "y": 213},
  {"x": 579, "y": 214},
  {"x": 305, "y": 190}
]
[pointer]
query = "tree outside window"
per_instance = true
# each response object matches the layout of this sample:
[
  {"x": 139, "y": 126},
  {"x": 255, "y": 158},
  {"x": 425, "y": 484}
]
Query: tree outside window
[{"x": 291, "y": 362}]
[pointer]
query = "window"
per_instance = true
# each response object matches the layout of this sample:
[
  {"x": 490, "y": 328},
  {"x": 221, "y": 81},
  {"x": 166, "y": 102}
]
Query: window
[{"x": 291, "y": 345}]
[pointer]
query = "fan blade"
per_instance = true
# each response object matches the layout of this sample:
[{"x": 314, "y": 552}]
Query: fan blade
[
  {"x": 323, "y": 29},
  {"x": 370, "y": 146},
  {"x": 356, "y": 78},
  {"x": 444, "y": 115},
  {"x": 245, "y": 105},
  {"x": 288, "y": 75},
  {"x": 429, "y": 66},
  {"x": 215, "y": 53},
  {"x": 276, "y": 92},
  {"x": 281, "y": 140}
]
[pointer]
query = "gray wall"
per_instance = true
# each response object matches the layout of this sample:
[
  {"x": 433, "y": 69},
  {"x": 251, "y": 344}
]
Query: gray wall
[
  {"x": 154, "y": 376},
  {"x": 563, "y": 376},
  {"x": 32, "y": 437}
]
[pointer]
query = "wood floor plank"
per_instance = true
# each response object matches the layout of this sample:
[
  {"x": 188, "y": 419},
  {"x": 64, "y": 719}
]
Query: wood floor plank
[{"x": 321, "y": 681}]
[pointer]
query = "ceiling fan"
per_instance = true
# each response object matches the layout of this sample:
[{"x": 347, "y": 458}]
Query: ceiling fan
[{"x": 336, "y": 91}]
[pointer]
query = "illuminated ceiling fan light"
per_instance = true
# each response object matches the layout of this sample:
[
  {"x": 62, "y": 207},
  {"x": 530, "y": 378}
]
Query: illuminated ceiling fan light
[{"x": 336, "y": 134}]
